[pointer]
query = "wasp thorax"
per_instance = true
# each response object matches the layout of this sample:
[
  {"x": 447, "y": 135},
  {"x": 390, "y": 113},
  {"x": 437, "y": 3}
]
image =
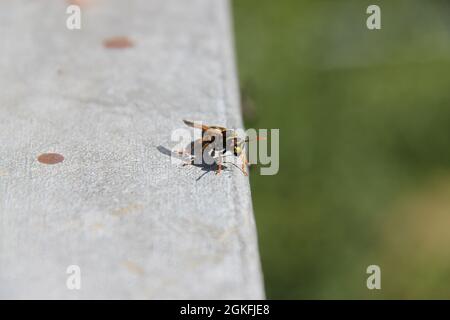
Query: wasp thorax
[{"x": 216, "y": 145}]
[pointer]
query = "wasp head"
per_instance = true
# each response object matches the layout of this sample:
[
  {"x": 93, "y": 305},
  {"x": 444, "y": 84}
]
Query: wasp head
[{"x": 239, "y": 148}]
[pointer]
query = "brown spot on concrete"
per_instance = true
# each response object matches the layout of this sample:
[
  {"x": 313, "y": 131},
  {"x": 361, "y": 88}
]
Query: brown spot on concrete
[
  {"x": 118, "y": 43},
  {"x": 134, "y": 268},
  {"x": 50, "y": 158},
  {"x": 126, "y": 210}
]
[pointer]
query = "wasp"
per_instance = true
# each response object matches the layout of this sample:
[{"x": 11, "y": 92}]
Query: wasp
[{"x": 219, "y": 143}]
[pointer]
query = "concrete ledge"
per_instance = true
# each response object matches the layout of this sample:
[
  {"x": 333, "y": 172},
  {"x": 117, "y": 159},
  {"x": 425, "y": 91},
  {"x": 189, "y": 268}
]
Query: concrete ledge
[{"x": 138, "y": 226}]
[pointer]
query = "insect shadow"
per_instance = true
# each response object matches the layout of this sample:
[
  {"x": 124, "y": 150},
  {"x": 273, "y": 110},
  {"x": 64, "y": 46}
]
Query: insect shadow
[{"x": 204, "y": 166}]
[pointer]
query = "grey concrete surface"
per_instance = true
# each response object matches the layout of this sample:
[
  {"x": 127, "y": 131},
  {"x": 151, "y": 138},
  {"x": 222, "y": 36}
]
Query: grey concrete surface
[{"x": 137, "y": 225}]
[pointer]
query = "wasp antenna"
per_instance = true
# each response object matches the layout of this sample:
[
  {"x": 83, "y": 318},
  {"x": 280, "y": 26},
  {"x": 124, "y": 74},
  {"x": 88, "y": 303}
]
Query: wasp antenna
[{"x": 189, "y": 123}]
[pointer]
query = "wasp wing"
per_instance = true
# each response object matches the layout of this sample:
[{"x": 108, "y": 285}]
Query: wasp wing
[
  {"x": 209, "y": 133},
  {"x": 204, "y": 127},
  {"x": 196, "y": 125}
]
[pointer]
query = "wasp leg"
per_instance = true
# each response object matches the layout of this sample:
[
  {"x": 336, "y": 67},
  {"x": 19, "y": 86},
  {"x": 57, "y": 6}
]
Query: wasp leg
[
  {"x": 244, "y": 163},
  {"x": 190, "y": 162},
  {"x": 183, "y": 154},
  {"x": 219, "y": 170}
]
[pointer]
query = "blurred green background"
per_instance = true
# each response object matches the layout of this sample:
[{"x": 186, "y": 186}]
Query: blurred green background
[{"x": 364, "y": 120}]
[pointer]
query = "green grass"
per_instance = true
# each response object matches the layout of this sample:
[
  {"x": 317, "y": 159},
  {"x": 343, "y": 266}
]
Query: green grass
[{"x": 364, "y": 119}]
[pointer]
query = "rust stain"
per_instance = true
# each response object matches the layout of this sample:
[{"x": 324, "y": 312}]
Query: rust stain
[
  {"x": 134, "y": 268},
  {"x": 118, "y": 43},
  {"x": 50, "y": 158},
  {"x": 126, "y": 210}
]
